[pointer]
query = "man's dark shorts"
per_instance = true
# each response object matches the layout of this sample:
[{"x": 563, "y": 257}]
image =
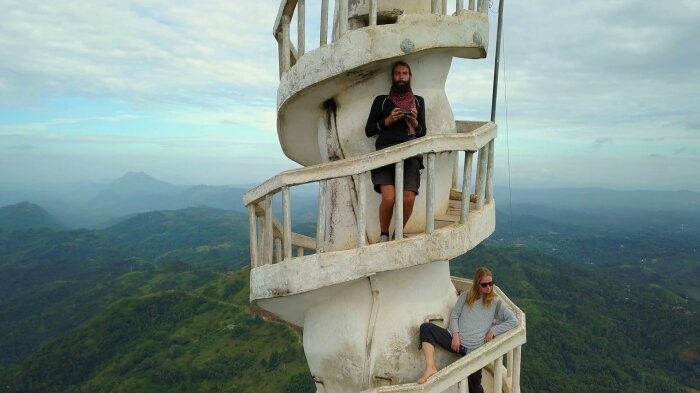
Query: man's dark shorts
[{"x": 386, "y": 175}]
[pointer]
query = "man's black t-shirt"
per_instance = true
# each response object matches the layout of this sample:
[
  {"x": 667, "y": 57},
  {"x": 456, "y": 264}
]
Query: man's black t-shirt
[{"x": 395, "y": 133}]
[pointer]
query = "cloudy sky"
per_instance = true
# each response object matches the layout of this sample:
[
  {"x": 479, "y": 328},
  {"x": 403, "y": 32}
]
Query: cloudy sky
[{"x": 593, "y": 93}]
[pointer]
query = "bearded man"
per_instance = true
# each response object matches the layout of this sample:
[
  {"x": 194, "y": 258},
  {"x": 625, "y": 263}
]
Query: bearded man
[{"x": 397, "y": 117}]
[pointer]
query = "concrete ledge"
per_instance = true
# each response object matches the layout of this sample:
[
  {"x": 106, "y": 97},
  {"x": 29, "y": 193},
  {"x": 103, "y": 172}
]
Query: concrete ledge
[
  {"x": 307, "y": 273},
  {"x": 466, "y": 35}
]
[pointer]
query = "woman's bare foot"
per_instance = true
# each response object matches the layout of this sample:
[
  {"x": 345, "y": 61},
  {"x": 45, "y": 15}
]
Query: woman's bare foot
[{"x": 426, "y": 374}]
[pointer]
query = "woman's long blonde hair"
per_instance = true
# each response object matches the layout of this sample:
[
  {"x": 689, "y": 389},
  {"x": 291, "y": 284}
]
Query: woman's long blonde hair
[{"x": 474, "y": 292}]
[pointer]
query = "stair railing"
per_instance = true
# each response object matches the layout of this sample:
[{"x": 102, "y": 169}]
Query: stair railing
[
  {"x": 506, "y": 376},
  {"x": 272, "y": 241},
  {"x": 289, "y": 54}
]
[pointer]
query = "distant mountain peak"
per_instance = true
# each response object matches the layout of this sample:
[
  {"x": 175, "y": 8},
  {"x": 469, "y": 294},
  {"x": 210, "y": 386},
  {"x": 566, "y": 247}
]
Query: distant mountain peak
[
  {"x": 140, "y": 177},
  {"x": 140, "y": 182}
]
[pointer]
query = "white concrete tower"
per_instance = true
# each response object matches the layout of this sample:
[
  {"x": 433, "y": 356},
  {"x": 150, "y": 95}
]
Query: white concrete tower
[{"x": 358, "y": 303}]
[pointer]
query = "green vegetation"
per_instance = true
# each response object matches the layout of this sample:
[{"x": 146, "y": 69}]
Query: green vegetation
[
  {"x": 26, "y": 215},
  {"x": 158, "y": 303},
  {"x": 585, "y": 329}
]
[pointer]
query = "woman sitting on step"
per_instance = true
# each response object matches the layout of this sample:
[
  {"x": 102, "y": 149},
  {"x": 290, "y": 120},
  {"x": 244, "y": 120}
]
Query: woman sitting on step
[{"x": 478, "y": 316}]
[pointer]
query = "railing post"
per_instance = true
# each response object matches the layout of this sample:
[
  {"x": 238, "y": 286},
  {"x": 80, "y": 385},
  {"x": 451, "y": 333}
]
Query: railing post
[
  {"x": 483, "y": 6},
  {"x": 471, "y": 5},
  {"x": 481, "y": 177},
  {"x": 285, "y": 56},
  {"x": 267, "y": 231},
  {"x": 286, "y": 223},
  {"x": 489, "y": 173},
  {"x": 398, "y": 200},
  {"x": 430, "y": 197},
  {"x": 324, "y": 23},
  {"x": 509, "y": 361},
  {"x": 301, "y": 27},
  {"x": 444, "y": 7},
  {"x": 462, "y": 386},
  {"x": 261, "y": 237},
  {"x": 253, "y": 231},
  {"x": 372, "y": 12},
  {"x": 498, "y": 375},
  {"x": 300, "y": 251},
  {"x": 460, "y": 5},
  {"x": 361, "y": 207},
  {"x": 278, "y": 250},
  {"x": 515, "y": 378},
  {"x": 321, "y": 219},
  {"x": 455, "y": 170},
  {"x": 342, "y": 16},
  {"x": 434, "y": 4},
  {"x": 466, "y": 186}
]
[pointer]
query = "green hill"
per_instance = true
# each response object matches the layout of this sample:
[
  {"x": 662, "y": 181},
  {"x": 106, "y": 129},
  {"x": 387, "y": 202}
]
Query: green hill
[
  {"x": 199, "y": 235},
  {"x": 147, "y": 305},
  {"x": 586, "y": 329},
  {"x": 169, "y": 341},
  {"x": 26, "y": 215}
]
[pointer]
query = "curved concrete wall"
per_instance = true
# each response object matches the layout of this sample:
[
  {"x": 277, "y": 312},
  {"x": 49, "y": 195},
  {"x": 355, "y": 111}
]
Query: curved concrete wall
[{"x": 370, "y": 329}]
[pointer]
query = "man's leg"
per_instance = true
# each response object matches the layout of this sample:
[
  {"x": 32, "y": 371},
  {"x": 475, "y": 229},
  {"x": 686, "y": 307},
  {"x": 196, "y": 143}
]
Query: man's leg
[
  {"x": 409, "y": 198},
  {"x": 386, "y": 207},
  {"x": 411, "y": 184},
  {"x": 432, "y": 335},
  {"x": 474, "y": 382}
]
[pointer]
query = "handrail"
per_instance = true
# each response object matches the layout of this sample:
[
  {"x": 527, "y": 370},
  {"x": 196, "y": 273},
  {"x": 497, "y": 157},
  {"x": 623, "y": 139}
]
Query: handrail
[
  {"x": 472, "y": 141},
  {"x": 287, "y": 9},
  {"x": 489, "y": 355},
  {"x": 272, "y": 242}
]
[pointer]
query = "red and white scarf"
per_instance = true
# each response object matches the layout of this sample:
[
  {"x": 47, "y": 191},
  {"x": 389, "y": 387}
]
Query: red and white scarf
[{"x": 405, "y": 101}]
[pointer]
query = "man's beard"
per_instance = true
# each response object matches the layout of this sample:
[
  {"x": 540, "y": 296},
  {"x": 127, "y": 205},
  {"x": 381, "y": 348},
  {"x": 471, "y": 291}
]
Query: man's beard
[{"x": 401, "y": 87}]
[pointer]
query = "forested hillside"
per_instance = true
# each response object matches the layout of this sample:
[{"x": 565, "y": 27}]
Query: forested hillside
[{"x": 159, "y": 302}]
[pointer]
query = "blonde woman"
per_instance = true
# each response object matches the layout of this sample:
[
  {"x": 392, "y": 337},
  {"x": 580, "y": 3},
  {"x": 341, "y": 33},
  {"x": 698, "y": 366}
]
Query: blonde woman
[{"x": 478, "y": 317}]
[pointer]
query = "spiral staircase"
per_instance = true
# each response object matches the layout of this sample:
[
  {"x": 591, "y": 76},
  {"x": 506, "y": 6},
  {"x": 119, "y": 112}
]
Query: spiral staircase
[{"x": 358, "y": 302}]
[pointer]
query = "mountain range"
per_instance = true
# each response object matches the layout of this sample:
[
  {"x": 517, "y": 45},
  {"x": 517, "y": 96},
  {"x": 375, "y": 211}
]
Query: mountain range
[
  {"x": 146, "y": 305},
  {"x": 98, "y": 205}
]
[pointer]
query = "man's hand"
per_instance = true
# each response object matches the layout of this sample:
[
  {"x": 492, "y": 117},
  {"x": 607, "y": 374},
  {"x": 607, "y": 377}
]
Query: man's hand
[
  {"x": 413, "y": 118},
  {"x": 455, "y": 342},
  {"x": 489, "y": 336},
  {"x": 395, "y": 116}
]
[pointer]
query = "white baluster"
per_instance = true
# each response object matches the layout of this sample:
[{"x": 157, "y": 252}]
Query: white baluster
[
  {"x": 515, "y": 379},
  {"x": 321, "y": 219},
  {"x": 362, "y": 208},
  {"x": 286, "y": 44},
  {"x": 253, "y": 233},
  {"x": 324, "y": 23},
  {"x": 498, "y": 375},
  {"x": 286, "y": 223},
  {"x": 489, "y": 175},
  {"x": 301, "y": 27},
  {"x": 398, "y": 200},
  {"x": 267, "y": 233},
  {"x": 430, "y": 197},
  {"x": 372, "y": 12},
  {"x": 466, "y": 186}
]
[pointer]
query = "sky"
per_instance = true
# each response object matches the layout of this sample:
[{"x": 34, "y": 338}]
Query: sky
[{"x": 592, "y": 93}]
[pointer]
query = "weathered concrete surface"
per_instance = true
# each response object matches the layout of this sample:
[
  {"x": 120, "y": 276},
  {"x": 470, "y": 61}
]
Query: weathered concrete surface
[
  {"x": 316, "y": 271},
  {"x": 369, "y": 328},
  {"x": 362, "y": 57}
]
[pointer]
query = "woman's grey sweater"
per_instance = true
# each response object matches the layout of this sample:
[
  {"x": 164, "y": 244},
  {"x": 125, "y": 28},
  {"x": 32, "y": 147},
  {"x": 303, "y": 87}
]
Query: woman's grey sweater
[{"x": 473, "y": 323}]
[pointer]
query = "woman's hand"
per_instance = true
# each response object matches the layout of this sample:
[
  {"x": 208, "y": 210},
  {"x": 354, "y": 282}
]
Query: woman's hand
[
  {"x": 489, "y": 336},
  {"x": 455, "y": 342},
  {"x": 393, "y": 117}
]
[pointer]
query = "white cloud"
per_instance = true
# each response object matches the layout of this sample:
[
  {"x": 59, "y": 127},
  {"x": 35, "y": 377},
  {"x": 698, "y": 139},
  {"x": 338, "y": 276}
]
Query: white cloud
[
  {"x": 154, "y": 53},
  {"x": 34, "y": 127}
]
